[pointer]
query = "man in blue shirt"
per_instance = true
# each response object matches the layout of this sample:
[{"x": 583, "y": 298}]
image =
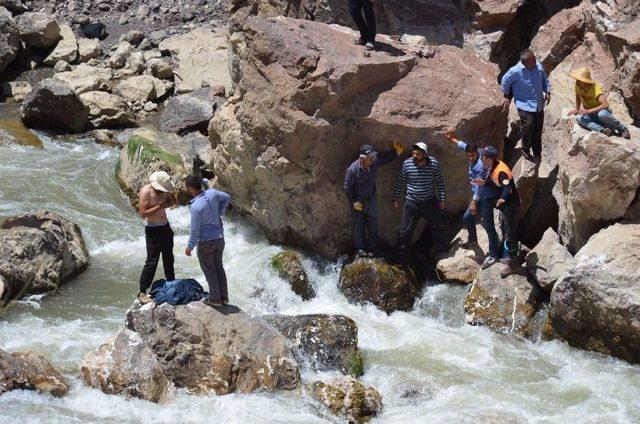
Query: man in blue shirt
[
  {"x": 482, "y": 201},
  {"x": 207, "y": 208},
  {"x": 527, "y": 83}
]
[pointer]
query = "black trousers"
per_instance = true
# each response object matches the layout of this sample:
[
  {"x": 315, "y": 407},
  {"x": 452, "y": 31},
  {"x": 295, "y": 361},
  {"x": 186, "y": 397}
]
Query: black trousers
[
  {"x": 366, "y": 25},
  {"x": 210, "y": 258},
  {"x": 159, "y": 241},
  {"x": 365, "y": 225},
  {"x": 509, "y": 213},
  {"x": 531, "y": 123},
  {"x": 413, "y": 211}
]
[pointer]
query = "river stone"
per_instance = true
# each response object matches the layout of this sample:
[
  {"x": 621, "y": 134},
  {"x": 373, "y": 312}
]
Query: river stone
[
  {"x": 39, "y": 252},
  {"x": 461, "y": 264},
  {"x": 141, "y": 88},
  {"x": 30, "y": 371},
  {"x": 548, "y": 261},
  {"x": 107, "y": 110},
  {"x": 325, "y": 342},
  {"x": 66, "y": 49},
  {"x": 387, "y": 286},
  {"x": 38, "y": 29},
  {"x": 14, "y": 132},
  {"x": 348, "y": 398},
  {"x": 287, "y": 265},
  {"x": 188, "y": 112},
  {"x": 125, "y": 365},
  {"x": 596, "y": 304},
  {"x": 89, "y": 49},
  {"x": 54, "y": 105},
  {"x": 505, "y": 305},
  {"x": 85, "y": 78},
  {"x": 9, "y": 41}
]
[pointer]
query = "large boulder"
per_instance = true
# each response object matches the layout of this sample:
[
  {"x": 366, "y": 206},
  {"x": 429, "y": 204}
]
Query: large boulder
[
  {"x": 194, "y": 347},
  {"x": 287, "y": 265},
  {"x": 348, "y": 398},
  {"x": 188, "y": 112},
  {"x": 548, "y": 261},
  {"x": 462, "y": 264},
  {"x": 39, "y": 252},
  {"x": 505, "y": 305},
  {"x": 9, "y": 41},
  {"x": 54, "y": 105},
  {"x": 66, "y": 49},
  {"x": 387, "y": 286},
  {"x": 325, "y": 342},
  {"x": 307, "y": 98},
  {"x": 142, "y": 88},
  {"x": 38, "y": 29},
  {"x": 107, "y": 110},
  {"x": 495, "y": 13},
  {"x": 86, "y": 78},
  {"x": 202, "y": 56},
  {"x": 30, "y": 371},
  {"x": 596, "y": 305}
]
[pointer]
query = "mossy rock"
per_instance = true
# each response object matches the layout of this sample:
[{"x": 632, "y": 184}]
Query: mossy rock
[
  {"x": 348, "y": 398},
  {"x": 14, "y": 132},
  {"x": 145, "y": 151},
  {"x": 288, "y": 266}
]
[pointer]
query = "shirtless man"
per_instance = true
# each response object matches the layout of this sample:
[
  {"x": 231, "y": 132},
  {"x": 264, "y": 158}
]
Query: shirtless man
[{"x": 155, "y": 197}]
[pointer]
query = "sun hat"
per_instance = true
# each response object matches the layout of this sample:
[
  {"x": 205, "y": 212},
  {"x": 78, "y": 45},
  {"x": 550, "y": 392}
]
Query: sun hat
[
  {"x": 420, "y": 146},
  {"x": 161, "y": 181},
  {"x": 582, "y": 74},
  {"x": 489, "y": 152},
  {"x": 368, "y": 151}
]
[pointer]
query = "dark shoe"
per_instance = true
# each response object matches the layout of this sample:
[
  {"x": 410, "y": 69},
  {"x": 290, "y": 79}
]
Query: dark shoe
[
  {"x": 369, "y": 46},
  {"x": 371, "y": 255},
  {"x": 361, "y": 253},
  {"x": 606, "y": 131},
  {"x": 488, "y": 261},
  {"x": 210, "y": 302},
  {"x": 144, "y": 298},
  {"x": 625, "y": 134},
  {"x": 467, "y": 244}
]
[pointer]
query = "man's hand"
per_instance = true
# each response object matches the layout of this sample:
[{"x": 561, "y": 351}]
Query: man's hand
[
  {"x": 358, "y": 206},
  {"x": 187, "y": 251},
  {"x": 547, "y": 97},
  {"x": 441, "y": 206},
  {"x": 479, "y": 181},
  {"x": 473, "y": 207},
  {"x": 398, "y": 147},
  {"x": 396, "y": 204},
  {"x": 583, "y": 112},
  {"x": 506, "y": 103},
  {"x": 572, "y": 112},
  {"x": 500, "y": 202},
  {"x": 450, "y": 135}
]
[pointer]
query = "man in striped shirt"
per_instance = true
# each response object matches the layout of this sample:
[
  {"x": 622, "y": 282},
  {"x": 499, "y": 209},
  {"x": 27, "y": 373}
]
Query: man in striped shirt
[{"x": 425, "y": 197}]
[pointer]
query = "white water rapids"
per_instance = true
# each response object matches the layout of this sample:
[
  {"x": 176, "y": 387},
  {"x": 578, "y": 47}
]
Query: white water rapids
[{"x": 429, "y": 366}]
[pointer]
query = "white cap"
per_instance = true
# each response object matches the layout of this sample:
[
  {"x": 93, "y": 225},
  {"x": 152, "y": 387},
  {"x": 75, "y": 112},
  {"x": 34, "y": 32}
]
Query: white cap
[
  {"x": 161, "y": 181},
  {"x": 422, "y": 146}
]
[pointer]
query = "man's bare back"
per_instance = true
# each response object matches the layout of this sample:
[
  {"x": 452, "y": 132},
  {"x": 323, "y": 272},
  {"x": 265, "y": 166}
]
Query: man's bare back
[{"x": 153, "y": 204}]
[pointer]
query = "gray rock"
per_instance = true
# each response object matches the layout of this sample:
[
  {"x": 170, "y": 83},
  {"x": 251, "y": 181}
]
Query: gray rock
[
  {"x": 18, "y": 90},
  {"x": 86, "y": 78},
  {"x": 66, "y": 49},
  {"x": 288, "y": 266},
  {"x": 30, "y": 371},
  {"x": 107, "y": 110},
  {"x": 156, "y": 37},
  {"x": 548, "y": 260},
  {"x": 142, "y": 88},
  {"x": 348, "y": 398},
  {"x": 9, "y": 41},
  {"x": 38, "y": 29},
  {"x": 119, "y": 58},
  {"x": 54, "y": 105},
  {"x": 135, "y": 62},
  {"x": 62, "y": 66},
  {"x": 89, "y": 49},
  {"x": 133, "y": 37},
  {"x": 159, "y": 68},
  {"x": 188, "y": 112}
]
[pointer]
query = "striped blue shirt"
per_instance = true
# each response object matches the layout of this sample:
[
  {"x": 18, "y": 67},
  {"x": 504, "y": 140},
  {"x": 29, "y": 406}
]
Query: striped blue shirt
[
  {"x": 422, "y": 182},
  {"x": 360, "y": 183}
]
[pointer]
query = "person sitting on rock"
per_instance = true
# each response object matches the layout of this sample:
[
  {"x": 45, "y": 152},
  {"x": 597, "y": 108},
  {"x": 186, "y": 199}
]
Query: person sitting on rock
[
  {"x": 592, "y": 108},
  {"x": 482, "y": 205},
  {"x": 360, "y": 187},
  {"x": 155, "y": 197},
  {"x": 207, "y": 233},
  {"x": 425, "y": 197},
  {"x": 501, "y": 177},
  {"x": 366, "y": 25}
]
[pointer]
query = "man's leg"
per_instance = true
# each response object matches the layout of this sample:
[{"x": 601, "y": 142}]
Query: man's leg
[
  {"x": 587, "y": 122},
  {"x": 409, "y": 221},
  {"x": 154, "y": 247},
  {"x": 167, "y": 253},
  {"x": 485, "y": 210},
  {"x": 510, "y": 214},
  {"x": 206, "y": 257},
  {"x": 357, "y": 228},
  {"x": 222, "y": 275},
  {"x": 608, "y": 120},
  {"x": 431, "y": 212},
  {"x": 355, "y": 10},
  {"x": 470, "y": 224},
  {"x": 527, "y": 123},
  {"x": 370, "y": 18},
  {"x": 536, "y": 141},
  {"x": 371, "y": 217}
]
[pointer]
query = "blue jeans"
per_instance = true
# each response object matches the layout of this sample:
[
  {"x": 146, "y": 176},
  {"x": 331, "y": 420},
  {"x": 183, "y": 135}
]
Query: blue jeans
[
  {"x": 598, "y": 121},
  {"x": 485, "y": 213}
]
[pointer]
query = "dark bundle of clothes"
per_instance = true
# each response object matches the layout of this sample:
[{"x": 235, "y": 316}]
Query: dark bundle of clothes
[{"x": 177, "y": 292}]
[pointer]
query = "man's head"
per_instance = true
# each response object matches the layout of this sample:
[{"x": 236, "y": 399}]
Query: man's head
[
  {"x": 367, "y": 155},
  {"x": 472, "y": 152},
  {"x": 419, "y": 151},
  {"x": 193, "y": 184},
  {"x": 160, "y": 181},
  {"x": 527, "y": 58},
  {"x": 489, "y": 156}
]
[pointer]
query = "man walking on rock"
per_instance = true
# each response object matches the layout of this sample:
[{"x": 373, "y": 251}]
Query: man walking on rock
[
  {"x": 207, "y": 233},
  {"x": 360, "y": 187},
  {"x": 425, "y": 197},
  {"x": 482, "y": 202},
  {"x": 155, "y": 197},
  {"x": 367, "y": 24},
  {"x": 527, "y": 83}
]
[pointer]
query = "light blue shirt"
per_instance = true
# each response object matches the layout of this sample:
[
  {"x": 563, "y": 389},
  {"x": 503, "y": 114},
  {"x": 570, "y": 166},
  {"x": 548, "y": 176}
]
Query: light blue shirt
[
  {"x": 477, "y": 170},
  {"x": 207, "y": 209},
  {"x": 526, "y": 86}
]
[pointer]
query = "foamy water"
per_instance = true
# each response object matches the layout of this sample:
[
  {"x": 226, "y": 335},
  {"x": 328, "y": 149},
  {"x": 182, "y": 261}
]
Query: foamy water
[{"x": 428, "y": 364}]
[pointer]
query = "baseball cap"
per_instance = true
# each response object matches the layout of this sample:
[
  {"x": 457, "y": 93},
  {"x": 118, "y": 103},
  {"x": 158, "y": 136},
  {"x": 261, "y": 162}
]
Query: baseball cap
[
  {"x": 490, "y": 152},
  {"x": 420, "y": 146},
  {"x": 368, "y": 151}
]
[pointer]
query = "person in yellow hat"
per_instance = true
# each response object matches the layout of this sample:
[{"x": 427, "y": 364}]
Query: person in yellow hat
[{"x": 592, "y": 108}]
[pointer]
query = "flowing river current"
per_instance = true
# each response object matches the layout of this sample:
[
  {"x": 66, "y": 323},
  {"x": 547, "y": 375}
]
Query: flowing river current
[{"x": 429, "y": 366}]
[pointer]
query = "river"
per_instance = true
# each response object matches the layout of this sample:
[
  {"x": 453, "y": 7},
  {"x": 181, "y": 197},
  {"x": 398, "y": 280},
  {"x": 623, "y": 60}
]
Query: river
[{"x": 428, "y": 364}]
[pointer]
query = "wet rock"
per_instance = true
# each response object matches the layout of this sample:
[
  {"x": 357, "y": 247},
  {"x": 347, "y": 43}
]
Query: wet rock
[
  {"x": 54, "y": 105},
  {"x": 548, "y": 261},
  {"x": 348, "y": 398},
  {"x": 595, "y": 305},
  {"x": 66, "y": 49},
  {"x": 159, "y": 68},
  {"x": 325, "y": 342},
  {"x": 119, "y": 57},
  {"x": 288, "y": 266},
  {"x": 86, "y": 78},
  {"x": 17, "y": 90},
  {"x": 505, "y": 305},
  {"x": 202, "y": 55},
  {"x": 88, "y": 49},
  {"x": 194, "y": 347},
  {"x": 461, "y": 265},
  {"x": 188, "y": 112},
  {"x": 30, "y": 371},
  {"x": 142, "y": 88},
  {"x": 107, "y": 110},
  {"x": 14, "y": 132},
  {"x": 38, "y": 253},
  {"x": 38, "y": 29},
  {"x": 9, "y": 41},
  {"x": 387, "y": 286}
]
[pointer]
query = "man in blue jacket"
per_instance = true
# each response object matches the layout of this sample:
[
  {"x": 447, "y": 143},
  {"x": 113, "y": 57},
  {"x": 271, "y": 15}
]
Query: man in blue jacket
[
  {"x": 527, "y": 84},
  {"x": 207, "y": 208}
]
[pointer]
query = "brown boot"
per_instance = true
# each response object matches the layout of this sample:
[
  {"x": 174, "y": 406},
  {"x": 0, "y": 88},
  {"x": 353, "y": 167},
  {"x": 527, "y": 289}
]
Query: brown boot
[{"x": 144, "y": 298}]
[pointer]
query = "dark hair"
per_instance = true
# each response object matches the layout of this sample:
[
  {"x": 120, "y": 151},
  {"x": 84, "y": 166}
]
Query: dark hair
[
  {"x": 194, "y": 182},
  {"x": 471, "y": 148},
  {"x": 526, "y": 54}
]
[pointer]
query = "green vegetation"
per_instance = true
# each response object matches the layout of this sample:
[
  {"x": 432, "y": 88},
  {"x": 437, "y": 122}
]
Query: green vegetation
[
  {"x": 145, "y": 151},
  {"x": 354, "y": 364}
]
